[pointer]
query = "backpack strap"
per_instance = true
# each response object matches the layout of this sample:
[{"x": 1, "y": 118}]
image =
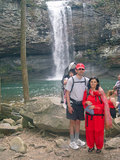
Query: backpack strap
[
  {"x": 78, "y": 82},
  {"x": 87, "y": 92},
  {"x": 100, "y": 99},
  {"x": 72, "y": 85},
  {"x": 85, "y": 83}
]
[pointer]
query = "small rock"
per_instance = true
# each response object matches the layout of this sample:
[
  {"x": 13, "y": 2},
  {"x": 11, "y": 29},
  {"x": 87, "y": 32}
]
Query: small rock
[
  {"x": 18, "y": 145},
  {"x": 49, "y": 149},
  {"x": 60, "y": 143},
  {"x": 2, "y": 148},
  {"x": 62, "y": 153},
  {"x": 10, "y": 121},
  {"x": 40, "y": 146},
  {"x": 19, "y": 121},
  {"x": 1, "y": 135}
]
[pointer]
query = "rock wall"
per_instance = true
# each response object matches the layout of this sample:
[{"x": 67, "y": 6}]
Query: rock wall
[{"x": 96, "y": 30}]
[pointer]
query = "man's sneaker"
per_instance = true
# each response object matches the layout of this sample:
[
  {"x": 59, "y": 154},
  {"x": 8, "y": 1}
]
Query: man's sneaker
[
  {"x": 80, "y": 142},
  {"x": 73, "y": 145},
  {"x": 64, "y": 105}
]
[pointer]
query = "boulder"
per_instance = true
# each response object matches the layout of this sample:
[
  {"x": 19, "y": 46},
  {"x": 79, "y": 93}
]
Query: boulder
[
  {"x": 113, "y": 143},
  {"x": 48, "y": 114},
  {"x": 6, "y": 128},
  {"x": 10, "y": 121},
  {"x": 117, "y": 120},
  {"x": 8, "y": 112},
  {"x": 115, "y": 130}
]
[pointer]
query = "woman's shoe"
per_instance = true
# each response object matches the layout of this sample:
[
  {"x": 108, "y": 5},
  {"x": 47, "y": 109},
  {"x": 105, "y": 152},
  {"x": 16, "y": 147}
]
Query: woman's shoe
[
  {"x": 90, "y": 149},
  {"x": 98, "y": 150}
]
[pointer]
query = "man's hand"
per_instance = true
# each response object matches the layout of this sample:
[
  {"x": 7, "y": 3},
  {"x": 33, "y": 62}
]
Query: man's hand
[{"x": 70, "y": 109}]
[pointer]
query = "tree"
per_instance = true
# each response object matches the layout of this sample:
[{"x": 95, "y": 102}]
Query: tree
[
  {"x": 0, "y": 93},
  {"x": 23, "y": 52}
]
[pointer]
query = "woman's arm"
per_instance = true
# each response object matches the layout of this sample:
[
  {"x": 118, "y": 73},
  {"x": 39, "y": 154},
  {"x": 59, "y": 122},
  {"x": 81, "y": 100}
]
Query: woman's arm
[
  {"x": 84, "y": 101},
  {"x": 113, "y": 101}
]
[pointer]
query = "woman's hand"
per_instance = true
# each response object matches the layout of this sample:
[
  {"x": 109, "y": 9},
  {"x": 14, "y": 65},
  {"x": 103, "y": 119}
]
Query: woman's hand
[
  {"x": 70, "y": 109},
  {"x": 92, "y": 107},
  {"x": 88, "y": 103}
]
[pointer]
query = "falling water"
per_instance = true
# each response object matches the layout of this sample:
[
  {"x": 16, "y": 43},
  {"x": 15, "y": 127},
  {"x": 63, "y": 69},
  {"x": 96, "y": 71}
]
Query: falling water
[{"x": 58, "y": 13}]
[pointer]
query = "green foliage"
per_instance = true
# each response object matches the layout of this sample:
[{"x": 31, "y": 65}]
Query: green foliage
[
  {"x": 32, "y": 4},
  {"x": 18, "y": 68},
  {"x": 5, "y": 69},
  {"x": 99, "y": 3},
  {"x": 89, "y": 52},
  {"x": 109, "y": 7}
]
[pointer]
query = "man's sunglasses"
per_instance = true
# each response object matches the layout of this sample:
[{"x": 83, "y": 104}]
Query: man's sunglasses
[{"x": 81, "y": 69}]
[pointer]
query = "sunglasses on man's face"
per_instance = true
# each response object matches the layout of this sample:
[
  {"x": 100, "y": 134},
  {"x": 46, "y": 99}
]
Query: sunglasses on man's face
[{"x": 81, "y": 69}]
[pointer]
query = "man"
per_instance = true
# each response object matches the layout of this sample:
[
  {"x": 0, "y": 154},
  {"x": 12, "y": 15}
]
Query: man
[
  {"x": 66, "y": 74},
  {"x": 75, "y": 87},
  {"x": 117, "y": 87}
]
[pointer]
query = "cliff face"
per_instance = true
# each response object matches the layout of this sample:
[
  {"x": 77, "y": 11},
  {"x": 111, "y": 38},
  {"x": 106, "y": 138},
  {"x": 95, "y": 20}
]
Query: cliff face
[
  {"x": 96, "y": 30},
  {"x": 97, "y": 35}
]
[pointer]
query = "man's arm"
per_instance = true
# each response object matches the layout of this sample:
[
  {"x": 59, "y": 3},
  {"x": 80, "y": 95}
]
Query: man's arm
[
  {"x": 70, "y": 109},
  {"x": 115, "y": 86}
]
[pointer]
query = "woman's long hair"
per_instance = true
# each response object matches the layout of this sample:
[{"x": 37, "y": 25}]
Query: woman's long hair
[{"x": 98, "y": 83}]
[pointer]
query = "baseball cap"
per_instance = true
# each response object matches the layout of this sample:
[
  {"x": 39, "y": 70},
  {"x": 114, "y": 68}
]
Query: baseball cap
[{"x": 80, "y": 65}]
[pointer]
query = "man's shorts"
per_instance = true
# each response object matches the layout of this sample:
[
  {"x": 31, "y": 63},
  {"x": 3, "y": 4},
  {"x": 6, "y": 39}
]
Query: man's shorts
[{"x": 77, "y": 114}]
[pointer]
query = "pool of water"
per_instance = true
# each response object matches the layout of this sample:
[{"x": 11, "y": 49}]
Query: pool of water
[{"x": 14, "y": 91}]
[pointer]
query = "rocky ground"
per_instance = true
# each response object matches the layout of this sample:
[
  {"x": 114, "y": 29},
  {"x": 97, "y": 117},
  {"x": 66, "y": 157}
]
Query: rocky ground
[
  {"x": 49, "y": 146},
  {"x": 35, "y": 143}
]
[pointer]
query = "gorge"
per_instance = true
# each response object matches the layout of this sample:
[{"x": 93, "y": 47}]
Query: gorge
[{"x": 96, "y": 35}]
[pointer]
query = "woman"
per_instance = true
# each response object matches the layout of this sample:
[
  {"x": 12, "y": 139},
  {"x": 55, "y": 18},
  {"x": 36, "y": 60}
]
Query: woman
[
  {"x": 94, "y": 122},
  {"x": 112, "y": 103}
]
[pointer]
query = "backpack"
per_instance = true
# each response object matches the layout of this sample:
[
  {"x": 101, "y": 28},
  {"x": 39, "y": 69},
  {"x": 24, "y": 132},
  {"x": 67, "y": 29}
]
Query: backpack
[{"x": 78, "y": 82}]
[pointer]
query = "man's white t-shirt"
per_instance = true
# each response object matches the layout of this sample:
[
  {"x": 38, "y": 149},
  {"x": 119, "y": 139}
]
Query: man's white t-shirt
[{"x": 78, "y": 88}]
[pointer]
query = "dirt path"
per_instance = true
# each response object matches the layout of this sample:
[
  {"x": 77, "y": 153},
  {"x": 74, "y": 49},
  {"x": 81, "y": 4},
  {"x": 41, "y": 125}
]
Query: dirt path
[{"x": 44, "y": 148}]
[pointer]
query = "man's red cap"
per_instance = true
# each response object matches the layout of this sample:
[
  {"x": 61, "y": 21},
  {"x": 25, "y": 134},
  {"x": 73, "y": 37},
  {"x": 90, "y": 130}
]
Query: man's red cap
[{"x": 80, "y": 65}]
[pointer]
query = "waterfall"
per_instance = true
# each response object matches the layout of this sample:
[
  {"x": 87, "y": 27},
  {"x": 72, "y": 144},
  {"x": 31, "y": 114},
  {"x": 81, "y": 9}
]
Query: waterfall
[{"x": 60, "y": 16}]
